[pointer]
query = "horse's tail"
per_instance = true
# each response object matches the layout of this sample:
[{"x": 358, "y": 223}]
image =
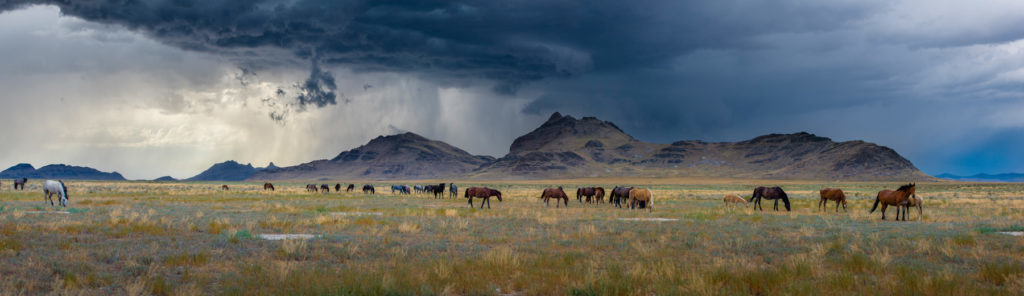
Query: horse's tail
[
  {"x": 877, "y": 200},
  {"x": 467, "y": 193},
  {"x": 754, "y": 195}
]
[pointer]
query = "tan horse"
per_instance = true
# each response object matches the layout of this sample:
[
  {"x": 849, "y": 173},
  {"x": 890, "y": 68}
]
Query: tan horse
[
  {"x": 732, "y": 199},
  {"x": 834, "y": 194},
  {"x": 896, "y": 198},
  {"x": 638, "y": 195},
  {"x": 915, "y": 201}
]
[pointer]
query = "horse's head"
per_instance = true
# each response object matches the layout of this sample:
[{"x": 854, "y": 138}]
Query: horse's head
[
  {"x": 65, "y": 189},
  {"x": 497, "y": 194}
]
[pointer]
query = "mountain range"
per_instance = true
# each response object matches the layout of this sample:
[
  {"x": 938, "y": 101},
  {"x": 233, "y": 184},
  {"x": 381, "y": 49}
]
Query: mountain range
[
  {"x": 1007, "y": 177},
  {"x": 567, "y": 147},
  {"x": 57, "y": 171}
]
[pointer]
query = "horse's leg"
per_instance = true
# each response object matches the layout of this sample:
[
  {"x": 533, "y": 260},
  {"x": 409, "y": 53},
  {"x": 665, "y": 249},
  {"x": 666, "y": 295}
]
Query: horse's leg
[
  {"x": 884, "y": 206},
  {"x": 470, "y": 202},
  {"x": 776, "y": 204}
]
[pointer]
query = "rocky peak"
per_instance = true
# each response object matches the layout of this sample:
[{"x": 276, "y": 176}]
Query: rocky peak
[{"x": 561, "y": 133}]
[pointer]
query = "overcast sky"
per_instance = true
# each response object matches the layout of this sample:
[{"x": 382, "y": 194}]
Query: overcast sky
[{"x": 151, "y": 88}]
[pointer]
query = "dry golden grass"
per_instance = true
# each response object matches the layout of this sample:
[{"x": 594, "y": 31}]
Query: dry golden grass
[{"x": 141, "y": 238}]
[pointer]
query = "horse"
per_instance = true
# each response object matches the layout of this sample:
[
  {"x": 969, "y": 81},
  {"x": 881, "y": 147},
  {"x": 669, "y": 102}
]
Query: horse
[
  {"x": 337, "y": 187},
  {"x": 52, "y": 187},
  {"x": 896, "y": 198},
  {"x": 325, "y": 188},
  {"x": 439, "y": 191},
  {"x": 453, "y": 190},
  {"x": 224, "y": 187},
  {"x": 368, "y": 188},
  {"x": 599, "y": 195},
  {"x": 732, "y": 199},
  {"x": 915, "y": 202},
  {"x": 769, "y": 193},
  {"x": 418, "y": 188},
  {"x": 428, "y": 189},
  {"x": 835, "y": 194},
  {"x": 618, "y": 195},
  {"x": 588, "y": 192},
  {"x": 481, "y": 192},
  {"x": 268, "y": 186},
  {"x": 20, "y": 182},
  {"x": 311, "y": 188},
  {"x": 398, "y": 188},
  {"x": 350, "y": 187},
  {"x": 556, "y": 193},
  {"x": 638, "y": 195}
]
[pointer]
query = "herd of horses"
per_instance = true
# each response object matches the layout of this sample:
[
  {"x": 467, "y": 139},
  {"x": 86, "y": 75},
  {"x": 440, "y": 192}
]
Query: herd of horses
[{"x": 903, "y": 198}]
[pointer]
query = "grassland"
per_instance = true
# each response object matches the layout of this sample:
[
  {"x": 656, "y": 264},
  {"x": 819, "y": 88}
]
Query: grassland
[{"x": 193, "y": 239}]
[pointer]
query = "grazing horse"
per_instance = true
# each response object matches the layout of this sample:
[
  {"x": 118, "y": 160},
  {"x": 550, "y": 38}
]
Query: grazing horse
[
  {"x": 350, "y": 187},
  {"x": 368, "y": 188},
  {"x": 483, "y": 193},
  {"x": 311, "y": 188},
  {"x": 599, "y": 195},
  {"x": 619, "y": 194},
  {"x": 325, "y": 188},
  {"x": 453, "y": 190},
  {"x": 638, "y": 195},
  {"x": 896, "y": 198},
  {"x": 418, "y": 188},
  {"x": 396, "y": 188},
  {"x": 732, "y": 199},
  {"x": 835, "y": 194},
  {"x": 337, "y": 187},
  {"x": 52, "y": 187},
  {"x": 769, "y": 193},
  {"x": 224, "y": 187},
  {"x": 268, "y": 186},
  {"x": 588, "y": 192},
  {"x": 20, "y": 182},
  {"x": 556, "y": 193},
  {"x": 439, "y": 191}
]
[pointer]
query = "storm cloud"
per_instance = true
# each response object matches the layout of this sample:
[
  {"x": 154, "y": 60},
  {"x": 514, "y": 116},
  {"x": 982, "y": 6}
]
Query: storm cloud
[{"x": 936, "y": 80}]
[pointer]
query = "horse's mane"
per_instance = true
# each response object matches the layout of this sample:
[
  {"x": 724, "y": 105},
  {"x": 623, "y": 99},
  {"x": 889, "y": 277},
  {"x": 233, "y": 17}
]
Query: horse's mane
[{"x": 905, "y": 187}]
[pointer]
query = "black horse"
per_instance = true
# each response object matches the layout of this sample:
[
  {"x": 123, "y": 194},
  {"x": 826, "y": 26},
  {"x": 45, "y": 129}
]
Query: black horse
[
  {"x": 325, "y": 188},
  {"x": 619, "y": 194},
  {"x": 368, "y": 189},
  {"x": 311, "y": 188},
  {"x": 350, "y": 187},
  {"x": 20, "y": 182},
  {"x": 439, "y": 191},
  {"x": 337, "y": 187},
  {"x": 769, "y": 193}
]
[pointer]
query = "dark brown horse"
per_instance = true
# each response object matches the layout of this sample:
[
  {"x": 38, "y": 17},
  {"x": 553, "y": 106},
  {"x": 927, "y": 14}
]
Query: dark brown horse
[
  {"x": 599, "y": 196},
  {"x": 439, "y": 191},
  {"x": 337, "y": 187},
  {"x": 556, "y": 193},
  {"x": 619, "y": 195},
  {"x": 350, "y": 187},
  {"x": 268, "y": 186},
  {"x": 223, "y": 187},
  {"x": 325, "y": 188},
  {"x": 896, "y": 198},
  {"x": 311, "y": 188},
  {"x": 587, "y": 192},
  {"x": 835, "y": 194},
  {"x": 20, "y": 182},
  {"x": 770, "y": 193},
  {"x": 368, "y": 189},
  {"x": 483, "y": 193}
]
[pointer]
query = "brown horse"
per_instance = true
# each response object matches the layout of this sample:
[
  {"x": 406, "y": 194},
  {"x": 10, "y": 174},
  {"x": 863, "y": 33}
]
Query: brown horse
[
  {"x": 325, "y": 188},
  {"x": 769, "y": 193},
  {"x": 896, "y": 198},
  {"x": 835, "y": 194},
  {"x": 311, "y": 188},
  {"x": 732, "y": 199},
  {"x": 268, "y": 186},
  {"x": 588, "y": 192},
  {"x": 223, "y": 187},
  {"x": 20, "y": 183},
  {"x": 337, "y": 187},
  {"x": 599, "y": 196},
  {"x": 556, "y": 193},
  {"x": 483, "y": 193},
  {"x": 350, "y": 187},
  {"x": 638, "y": 195},
  {"x": 619, "y": 194}
]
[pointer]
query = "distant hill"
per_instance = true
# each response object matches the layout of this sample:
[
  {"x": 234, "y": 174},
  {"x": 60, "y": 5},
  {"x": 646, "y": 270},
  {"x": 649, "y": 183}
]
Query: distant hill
[
  {"x": 58, "y": 171},
  {"x": 566, "y": 147},
  {"x": 1008, "y": 177},
  {"x": 402, "y": 156},
  {"x": 165, "y": 179},
  {"x": 229, "y": 171}
]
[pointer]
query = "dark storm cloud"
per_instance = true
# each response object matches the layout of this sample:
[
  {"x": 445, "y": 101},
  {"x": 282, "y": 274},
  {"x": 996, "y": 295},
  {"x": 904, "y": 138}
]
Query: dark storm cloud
[{"x": 318, "y": 90}]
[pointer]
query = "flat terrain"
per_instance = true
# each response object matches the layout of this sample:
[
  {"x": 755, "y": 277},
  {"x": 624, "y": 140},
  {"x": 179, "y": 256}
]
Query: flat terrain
[{"x": 194, "y": 239}]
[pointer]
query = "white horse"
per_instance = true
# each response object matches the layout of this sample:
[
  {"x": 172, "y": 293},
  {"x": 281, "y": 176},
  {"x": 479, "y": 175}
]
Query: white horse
[{"x": 52, "y": 187}]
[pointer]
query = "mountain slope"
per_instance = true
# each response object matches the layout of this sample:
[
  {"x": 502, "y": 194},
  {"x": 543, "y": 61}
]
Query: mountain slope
[
  {"x": 1007, "y": 177},
  {"x": 402, "y": 156},
  {"x": 58, "y": 171},
  {"x": 230, "y": 171},
  {"x": 566, "y": 147}
]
